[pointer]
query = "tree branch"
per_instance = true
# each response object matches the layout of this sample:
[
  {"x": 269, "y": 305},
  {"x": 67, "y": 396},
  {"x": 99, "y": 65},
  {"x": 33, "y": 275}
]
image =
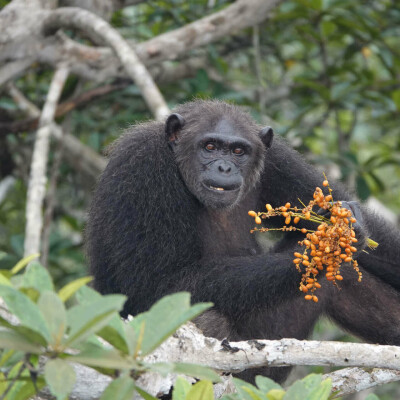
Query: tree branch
[
  {"x": 353, "y": 380},
  {"x": 31, "y": 124},
  {"x": 189, "y": 345},
  {"x": 23, "y": 103},
  {"x": 278, "y": 353},
  {"x": 99, "y": 63},
  {"x": 37, "y": 179},
  {"x": 164, "y": 73},
  {"x": 81, "y": 157},
  {"x": 13, "y": 70},
  {"x": 88, "y": 22}
]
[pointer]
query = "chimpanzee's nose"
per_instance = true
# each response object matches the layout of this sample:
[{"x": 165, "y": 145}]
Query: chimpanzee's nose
[{"x": 224, "y": 167}]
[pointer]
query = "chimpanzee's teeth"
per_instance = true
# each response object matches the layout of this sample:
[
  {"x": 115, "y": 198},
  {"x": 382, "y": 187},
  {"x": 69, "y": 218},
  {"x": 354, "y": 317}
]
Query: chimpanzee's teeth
[{"x": 217, "y": 188}]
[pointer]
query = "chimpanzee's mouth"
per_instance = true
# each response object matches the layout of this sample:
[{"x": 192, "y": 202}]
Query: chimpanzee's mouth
[
  {"x": 217, "y": 188},
  {"x": 225, "y": 188}
]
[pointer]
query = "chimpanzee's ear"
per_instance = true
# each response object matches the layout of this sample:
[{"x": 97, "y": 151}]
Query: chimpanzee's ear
[
  {"x": 173, "y": 124},
  {"x": 266, "y": 135}
]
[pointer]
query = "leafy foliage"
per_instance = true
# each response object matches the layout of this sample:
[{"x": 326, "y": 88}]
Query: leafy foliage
[{"x": 48, "y": 327}]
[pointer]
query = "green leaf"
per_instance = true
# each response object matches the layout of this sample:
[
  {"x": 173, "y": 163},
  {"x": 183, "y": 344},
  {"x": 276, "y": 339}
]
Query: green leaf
[
  {"x": 28, "y": 389},
  {"x": 327, "y": 28},
  {"x": 312, "y": 380},
  {"x": 10, "y": 339},
  {"x": 86, "y": 319},
  {"x": 252, "y": 392},
  {"x": 231, "y": 397},
  {"x": 276, "y": 394},
  {"x": 95, "y": 356},
  {"x": 246, "y": 390},
  {"x": 297, "y": 391},
  {"x": 181, "y": 389},
  {"x": 36, "y": 276},
  {"x": 372, "y": 396},
  {"x": 86, "y": 295},
  {"x": 202, "y": 390},
  {"x": 118, "y": 334},
  {"x": 60, "y": 376},
  {"x": 25, "y": 310},
  {"x": 29, "y": 334},
  {"x": 54, "y": 313},
  {"x": 120, "y": 389},
  {"x": 396, "y": 98},
  {"x": 71, "y": 288},
  {"x": 316, "y": 4},
  {"x": 5, "y": 356},
  {"x": 23, "y": 263},
  {"x": 3, "y": 383},
  {"x": 322, "y": 392},
  {"x": 19, "y": 373},
  {"x": 32, "y": 293},
  {"x": 132, "y": 338},
  {"x": 144, "y": 394},
  {"x": 6, "y": 273},
  {"x": 309, "y": 388},
  {"x": 135, "y": 332},
  {"x": 4, "y": 280},
  {"x": 166, "y": 316},
  {"x": 114, "y": 333},
  {"x": 197, "y": 371},
  {"x": 266, "y": 384}
]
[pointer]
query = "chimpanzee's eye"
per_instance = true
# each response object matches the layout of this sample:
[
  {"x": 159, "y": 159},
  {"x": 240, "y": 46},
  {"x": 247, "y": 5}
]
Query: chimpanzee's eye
[
  {"x": 210, "y": 146},
  {"x": 238, "y": 151}
]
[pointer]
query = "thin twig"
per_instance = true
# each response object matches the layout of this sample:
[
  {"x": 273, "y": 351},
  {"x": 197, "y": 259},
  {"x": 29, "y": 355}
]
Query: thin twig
[
  {"x": 257, "y": 65},
  {"x": 23, "y": 103},
  {"x": 51, "y": 200},
  {"x": 80, "y": 156},
  {"x": 32, "y": 123},
  {"x": 37, "y": 180}
]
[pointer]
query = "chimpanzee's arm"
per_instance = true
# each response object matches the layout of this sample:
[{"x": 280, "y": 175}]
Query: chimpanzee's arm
[
  {"x": 239, "y": 285},
  {"x": 369, "y": 309},
  {"x": 384, "y": 261}
]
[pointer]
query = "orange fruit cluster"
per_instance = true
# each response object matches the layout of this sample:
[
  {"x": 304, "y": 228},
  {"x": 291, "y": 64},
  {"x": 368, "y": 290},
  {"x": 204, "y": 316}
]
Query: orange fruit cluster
[{"x": 327, "y": 247}]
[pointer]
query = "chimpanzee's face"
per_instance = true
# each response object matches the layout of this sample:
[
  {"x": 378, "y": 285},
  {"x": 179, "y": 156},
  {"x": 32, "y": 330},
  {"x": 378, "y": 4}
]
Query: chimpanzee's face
[{"x": 221, "y": 165}]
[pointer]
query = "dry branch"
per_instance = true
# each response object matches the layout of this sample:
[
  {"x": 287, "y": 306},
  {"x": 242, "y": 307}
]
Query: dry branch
[
  {"x": 13, "y": 70},
  {"x": 23, "y": 38},
  {"x": 253, "y": 354},
  {"x": 32, "y": 123},
  {"x": 88, "y": 22},
  {"x": 189, "y": 345},
  {"x": 353, "y": 380},
  {"x": 23, "y": 103},
  {"x": 80, "y": 157},
  {"x": 170, "y": 46},
  {"x": 165, "y": 73},
  {"x": 37, "y": 179}
]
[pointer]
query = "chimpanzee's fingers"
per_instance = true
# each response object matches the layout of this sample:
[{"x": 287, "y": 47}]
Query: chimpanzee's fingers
[
  {"x": 354, "y": 207},
  {"x": 324, "y": 213}
]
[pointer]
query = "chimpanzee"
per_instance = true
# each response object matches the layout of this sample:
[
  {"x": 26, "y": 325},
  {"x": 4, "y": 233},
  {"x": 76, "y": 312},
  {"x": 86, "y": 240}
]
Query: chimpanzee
[{"x": 170, "y": 214}]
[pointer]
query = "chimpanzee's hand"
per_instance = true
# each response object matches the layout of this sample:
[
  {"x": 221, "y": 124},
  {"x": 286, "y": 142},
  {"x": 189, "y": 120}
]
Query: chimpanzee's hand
[{"x": 359, "y": 227}]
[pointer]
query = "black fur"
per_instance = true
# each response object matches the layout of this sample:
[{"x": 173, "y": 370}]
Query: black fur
[{"x": 148, "y": 235}]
